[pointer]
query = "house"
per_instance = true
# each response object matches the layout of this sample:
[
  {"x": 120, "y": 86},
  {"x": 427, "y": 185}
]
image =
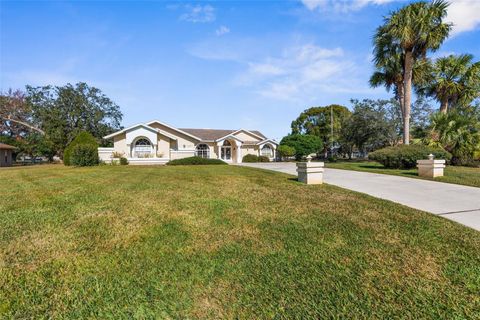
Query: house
[
  {"x": 6, "y": 158},
  {"x": 156, "y": 142}
]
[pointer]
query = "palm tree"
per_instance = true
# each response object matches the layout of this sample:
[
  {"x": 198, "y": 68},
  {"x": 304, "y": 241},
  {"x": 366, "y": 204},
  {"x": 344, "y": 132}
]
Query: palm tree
[
  {"x": 456, "y": 132},
  {"x": 411, "y": 32},
  {"x": 454, "y": 79}
]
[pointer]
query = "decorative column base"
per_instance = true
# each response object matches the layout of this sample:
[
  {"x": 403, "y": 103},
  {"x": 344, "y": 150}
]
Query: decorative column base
[
  {"x": 310, "y": 172},
  {"x": 430, "y": 168}
]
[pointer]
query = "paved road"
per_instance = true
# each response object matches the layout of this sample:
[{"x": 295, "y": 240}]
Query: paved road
[{"x": 451, "y": 201}]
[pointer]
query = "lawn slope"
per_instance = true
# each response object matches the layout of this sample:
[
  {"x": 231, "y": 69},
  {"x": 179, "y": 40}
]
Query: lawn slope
[{"x": 214, "y": 242}]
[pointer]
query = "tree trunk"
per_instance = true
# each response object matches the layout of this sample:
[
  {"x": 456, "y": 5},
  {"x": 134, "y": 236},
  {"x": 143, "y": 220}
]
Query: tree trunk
[
  {"x": 401, "y": 98},
  {"x": 407, "y": 81},
  {"x": 444, "y": 106}
]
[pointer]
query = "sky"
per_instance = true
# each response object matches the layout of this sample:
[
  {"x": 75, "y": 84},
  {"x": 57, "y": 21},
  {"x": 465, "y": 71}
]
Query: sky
[{"x": 215, "y": 64}]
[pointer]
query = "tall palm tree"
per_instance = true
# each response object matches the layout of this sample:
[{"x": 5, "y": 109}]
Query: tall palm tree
[
  {"x": 413, "y": 30},
  {"x": 454, "y": 79}
]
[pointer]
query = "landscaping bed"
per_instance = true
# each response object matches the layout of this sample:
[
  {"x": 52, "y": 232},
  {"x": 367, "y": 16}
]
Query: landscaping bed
[{"x": 215, "y": 242}]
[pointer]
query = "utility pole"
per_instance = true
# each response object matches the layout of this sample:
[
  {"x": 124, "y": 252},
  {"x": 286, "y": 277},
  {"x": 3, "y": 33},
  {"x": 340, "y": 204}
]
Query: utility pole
[{"x": 331, "y": 129}]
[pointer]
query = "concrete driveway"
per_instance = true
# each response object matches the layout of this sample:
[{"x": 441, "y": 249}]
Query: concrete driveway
[{"x": 451, "y": 201}]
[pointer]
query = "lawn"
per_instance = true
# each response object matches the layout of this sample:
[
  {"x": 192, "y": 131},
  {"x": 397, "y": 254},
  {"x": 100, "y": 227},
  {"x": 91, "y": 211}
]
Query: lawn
[
  {"x": 452, "y": 174},
  {"x": 124, "y": 242}
]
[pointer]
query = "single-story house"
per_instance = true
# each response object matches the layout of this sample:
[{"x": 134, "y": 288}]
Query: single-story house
[
  {"x": 156, "y": 142},
  {"x": 6, "y": 158}
]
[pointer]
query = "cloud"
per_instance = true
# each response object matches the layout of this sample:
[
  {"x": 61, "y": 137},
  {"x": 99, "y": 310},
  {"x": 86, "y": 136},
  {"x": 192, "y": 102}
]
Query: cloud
[
  {"x": 222, "y": 30},
  {"x": 199, "y": 14},
  {"x": 302, "y": 71},
  {"x": 464, "y": 14},
  {"x": 340, "y": 5}
]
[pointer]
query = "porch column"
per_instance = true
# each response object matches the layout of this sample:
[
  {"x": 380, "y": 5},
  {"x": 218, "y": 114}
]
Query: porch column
[
  {"x": 129, "y": 146},
  {"x": 238, "y": 145},
  {"x": 219, "y": 146}
]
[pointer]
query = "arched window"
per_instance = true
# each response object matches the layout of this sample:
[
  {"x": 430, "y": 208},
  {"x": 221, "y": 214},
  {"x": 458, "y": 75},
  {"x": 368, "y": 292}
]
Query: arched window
[
  {"x": 143, "y": 148},
  {"x": 203, "y": 151},
  {"x": 226, "y": 143},
  {"x": 267, "y": 151}
]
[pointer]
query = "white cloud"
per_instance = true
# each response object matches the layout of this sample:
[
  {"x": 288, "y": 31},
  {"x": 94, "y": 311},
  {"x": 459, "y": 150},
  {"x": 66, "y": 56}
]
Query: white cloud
[
  {"x": 464, "y": 14},
  {"x": 199, "y": 13},
  {"x": 301, "y": 71},
  {"x": 222, "y": 30},
  {"x": 340, "y": 5}
]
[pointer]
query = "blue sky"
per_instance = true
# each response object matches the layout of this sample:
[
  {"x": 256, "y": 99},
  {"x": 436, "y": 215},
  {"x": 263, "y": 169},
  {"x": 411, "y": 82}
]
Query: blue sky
[{"x": 217, "y": 64}]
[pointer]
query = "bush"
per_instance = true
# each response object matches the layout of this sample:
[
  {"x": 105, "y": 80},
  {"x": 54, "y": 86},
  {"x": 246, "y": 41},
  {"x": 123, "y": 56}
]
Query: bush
[
  {"x": 255, "y": 158},
  {"x": 286, "y": 151},
  {"x": 123, "y": 161},
  {"x": 304, "y": 144},
  {"x": 84, "y": 155},
  {"x": 406, "y": 156},
  {"x": 84, "y": 138},
  {"x": 194, "y": 161}
]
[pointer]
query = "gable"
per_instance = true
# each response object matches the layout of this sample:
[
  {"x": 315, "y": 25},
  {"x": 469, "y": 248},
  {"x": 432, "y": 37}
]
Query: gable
[
  {"x": 246, "y": 136},
  {"x": 182, "y": 137}
]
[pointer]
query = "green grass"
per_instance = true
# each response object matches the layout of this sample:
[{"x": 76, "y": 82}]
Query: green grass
[
  {"x": 122, "y": 242},
  {"x": 452, "y": 174}
]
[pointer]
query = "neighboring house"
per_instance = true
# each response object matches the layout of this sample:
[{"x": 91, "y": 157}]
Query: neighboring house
[
  {"x": 156, "y": 142},
  {"x": 6, "y": 155}
]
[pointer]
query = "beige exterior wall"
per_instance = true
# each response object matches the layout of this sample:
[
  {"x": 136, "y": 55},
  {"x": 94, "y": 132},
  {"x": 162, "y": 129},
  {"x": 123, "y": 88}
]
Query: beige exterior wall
[
  {"x": 163, "y": 146},
  {"x": 184, "y": 142},
  {"x": 246, "y": 137},
  {"x": 249, "y": 150},
  {"x": 5, "y": 157},
  {"x": 119, "y": 144},
  {"x": 181, "y": 154}
]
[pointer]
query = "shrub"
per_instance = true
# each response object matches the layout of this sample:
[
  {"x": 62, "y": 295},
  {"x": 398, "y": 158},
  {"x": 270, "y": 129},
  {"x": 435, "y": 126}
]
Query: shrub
[
  {"x": 406, "y": 156},
  {"x": 84, "y": 155},
  {"x": 304, "y": 144},
  {"x": 255, "y": 158},
  {"x": 82, "y": 138},
  {"x": 286, "y": 151},
  {"x": 194, "y": 161},
  {"x": 263, "y": 159},
  {"x": 123, "y": 161}
]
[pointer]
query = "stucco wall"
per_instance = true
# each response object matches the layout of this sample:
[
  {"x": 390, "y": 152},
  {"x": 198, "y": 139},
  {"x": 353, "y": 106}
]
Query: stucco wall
[
  {"x": 181, "y": 154},
  {"x": 249, "y": 150},
  {"x": 184, "y": 142},
  {"x": 119, "y": 144},
  {"x": 246, "y": 137},
  {"x": 163, "y": 146},
  {"x": 5, "y": 158}
]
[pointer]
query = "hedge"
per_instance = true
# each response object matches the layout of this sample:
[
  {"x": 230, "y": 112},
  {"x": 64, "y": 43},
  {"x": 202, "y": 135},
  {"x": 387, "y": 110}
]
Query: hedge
[
  {"x": 84, "y": 155},
  {"x": 82, "y": 138},
  {"x": 194, "y": 161},
  {"x": 255, "y": 158},
  {"x": 406, "y": 156}
]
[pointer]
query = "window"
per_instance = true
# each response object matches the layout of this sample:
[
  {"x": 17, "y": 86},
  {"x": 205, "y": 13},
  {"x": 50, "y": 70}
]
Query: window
[
  {"x": 203, "y": 151},
  {"x": 143, "y": 148},
  {"x": 267, "y": 151},
  {"x": 226, "y": 143}
]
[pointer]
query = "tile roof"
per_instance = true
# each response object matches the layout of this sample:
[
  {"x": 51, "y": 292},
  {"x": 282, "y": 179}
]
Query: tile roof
[
  {"x": 6, "y": 146},
  {"x": 213, "y": 134}
]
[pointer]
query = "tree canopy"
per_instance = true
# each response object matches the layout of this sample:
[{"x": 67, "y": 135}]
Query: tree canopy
[
  {"x": 318, "y": 121},
  {"x": 406, "y": 36},
  {"x": 64, "y": 111},
  {"x": 303, "y": 144}
]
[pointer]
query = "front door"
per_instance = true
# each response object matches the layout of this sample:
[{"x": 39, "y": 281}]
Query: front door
[{"x": 226, "y": 153}]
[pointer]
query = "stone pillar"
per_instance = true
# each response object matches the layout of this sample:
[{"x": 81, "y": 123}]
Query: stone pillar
[
  {"x": 310, "y": 172},
  {"x": 430, "y": 168}
]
